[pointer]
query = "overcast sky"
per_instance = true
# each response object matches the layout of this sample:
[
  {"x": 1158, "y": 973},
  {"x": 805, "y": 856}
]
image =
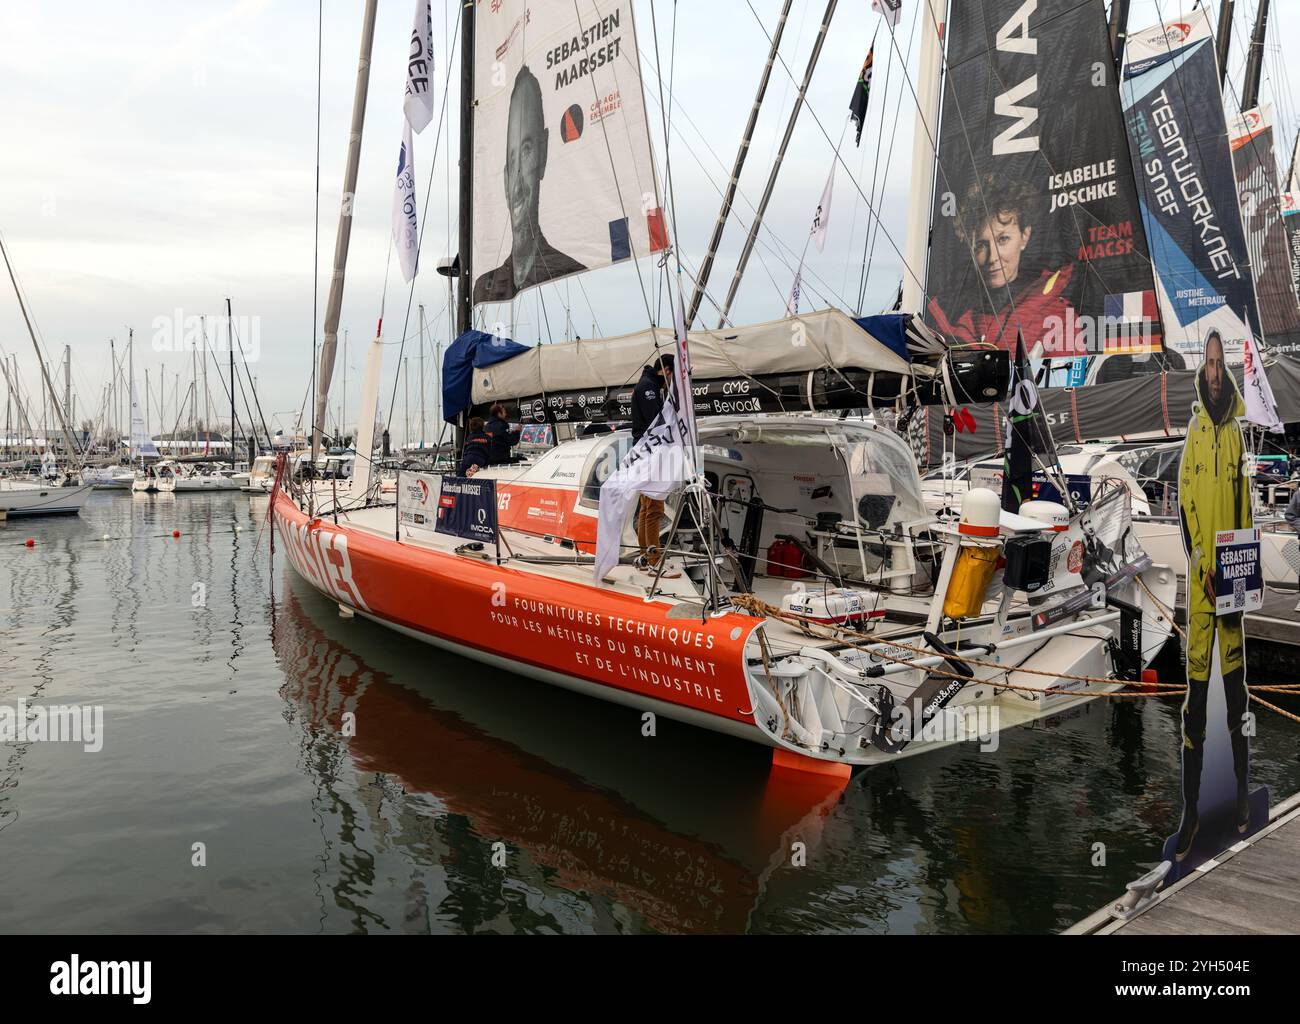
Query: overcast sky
[{"x": 160, "y": 156}]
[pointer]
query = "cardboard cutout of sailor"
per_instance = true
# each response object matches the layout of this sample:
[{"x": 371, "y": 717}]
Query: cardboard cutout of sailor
[
  {"x": 532, "y": 259},
  {"x": 1215, "y": 512}
]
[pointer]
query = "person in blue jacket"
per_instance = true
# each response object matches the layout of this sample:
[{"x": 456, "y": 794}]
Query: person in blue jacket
[
  {"x": 502, "y": 435},
  {"x": 475, "y": 455}
]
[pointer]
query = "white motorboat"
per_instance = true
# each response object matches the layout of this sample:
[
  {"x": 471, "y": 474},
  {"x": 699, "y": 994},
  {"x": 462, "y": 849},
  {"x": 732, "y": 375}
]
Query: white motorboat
[
  {"x": 155, "y": 479},
  {"x": 108, "y": 478},
  {"x": 261, "y": 475},
  {"x": 192, "y": 480}
]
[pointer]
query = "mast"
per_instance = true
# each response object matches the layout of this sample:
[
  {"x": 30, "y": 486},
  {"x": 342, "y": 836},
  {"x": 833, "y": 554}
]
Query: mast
[
  {"x": 112, "y": 396},
  {"x": 1118, "y": 28},
  {"x": 465, "y": 257},
  {"x": 67, "y": 381},
  {"x": 130, "y": 353},
  {"x": 344, "y": 235},
  {"x": 207, "y": 407},
  {"x": 464, "y": 297},
  {"x": 73, "y": 453},
  {"x": 924, "y": 135},
  {"x": 1224, "y": 38},
  {"x": 230, "y": 343},
  {"x": 1255, "y": 61},
  {"x": 776, "y": 166},
  {"x": 707, "y": 266}
]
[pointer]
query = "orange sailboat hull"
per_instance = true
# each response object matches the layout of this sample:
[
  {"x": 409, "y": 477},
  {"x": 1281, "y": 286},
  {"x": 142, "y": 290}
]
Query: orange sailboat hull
[{"x": 597, "y": 640}]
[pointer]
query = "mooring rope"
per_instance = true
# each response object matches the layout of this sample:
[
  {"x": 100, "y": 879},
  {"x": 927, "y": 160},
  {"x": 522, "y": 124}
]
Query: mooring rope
[{"x": 1150, "y": 690}]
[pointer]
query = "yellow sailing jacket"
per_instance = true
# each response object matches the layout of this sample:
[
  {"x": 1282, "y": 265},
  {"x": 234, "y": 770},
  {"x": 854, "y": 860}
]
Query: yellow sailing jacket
[{"x": 1213, "y": 489}]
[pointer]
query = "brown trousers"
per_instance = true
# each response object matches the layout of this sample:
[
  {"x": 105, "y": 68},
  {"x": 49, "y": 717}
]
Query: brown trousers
[{"x": 648, "y": 519}]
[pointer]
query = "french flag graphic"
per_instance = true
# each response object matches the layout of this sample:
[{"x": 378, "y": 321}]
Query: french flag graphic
[
  {"x": 1132, "y": 322},
  {"x": 1131, "y": 307},
  {"x": 620, "y": 243}
]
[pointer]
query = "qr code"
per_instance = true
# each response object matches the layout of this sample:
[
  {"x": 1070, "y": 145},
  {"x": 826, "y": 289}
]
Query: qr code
[{"x": 1239, "y": 593}]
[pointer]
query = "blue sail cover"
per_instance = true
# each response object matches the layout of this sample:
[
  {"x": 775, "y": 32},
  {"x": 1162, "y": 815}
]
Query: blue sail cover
[
  {"x": 472, "y": 351},
  {"x": 889, "y": 329}
]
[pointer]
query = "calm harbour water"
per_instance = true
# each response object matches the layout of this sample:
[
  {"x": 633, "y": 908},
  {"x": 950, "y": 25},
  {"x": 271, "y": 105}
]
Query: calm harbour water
[{"x": 222, "y": 727}]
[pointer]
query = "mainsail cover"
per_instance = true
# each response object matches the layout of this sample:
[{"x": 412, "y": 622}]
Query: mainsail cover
[
  {"x": 564, "y": 178},
  {"x": 1178, "y": 134},
  {"x": 1036, "y": 226},
  {"x": 828, "y": 338},
  {"x": 1255, "y": 164}
]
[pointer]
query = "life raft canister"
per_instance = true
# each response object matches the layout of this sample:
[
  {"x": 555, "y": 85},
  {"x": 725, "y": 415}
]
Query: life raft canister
[{"x": 978, "y": 554}]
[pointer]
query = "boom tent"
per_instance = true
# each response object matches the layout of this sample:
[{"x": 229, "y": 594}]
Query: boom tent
[{"x": 822, "y": 360}]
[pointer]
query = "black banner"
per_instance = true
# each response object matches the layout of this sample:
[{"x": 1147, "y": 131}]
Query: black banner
[
  {"x": 468, "y": 508},
  {"x": 1036, "y": 227}
]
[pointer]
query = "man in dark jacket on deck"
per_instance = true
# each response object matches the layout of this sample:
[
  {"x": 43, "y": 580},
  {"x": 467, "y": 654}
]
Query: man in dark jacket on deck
[
  {"x": 648, "y": 398},
  {"x": 503, "y": 436}
]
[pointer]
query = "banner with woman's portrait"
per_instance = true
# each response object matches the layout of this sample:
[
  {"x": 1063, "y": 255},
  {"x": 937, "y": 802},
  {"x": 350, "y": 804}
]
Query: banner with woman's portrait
[{"x": 1036, "y": 229}]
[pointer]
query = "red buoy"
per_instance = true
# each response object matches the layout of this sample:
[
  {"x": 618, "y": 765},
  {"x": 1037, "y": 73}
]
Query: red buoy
[
  {"x": 176, "y": 533},
  {"x": 31, "y": 542}
]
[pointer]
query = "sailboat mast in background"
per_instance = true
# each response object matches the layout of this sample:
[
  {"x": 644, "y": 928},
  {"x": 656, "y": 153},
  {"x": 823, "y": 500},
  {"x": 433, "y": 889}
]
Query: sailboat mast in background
[
  {"x": 1255, "y": 60},
  {"x": 334, "y": 304},
  {"x": 1224, "y": 38}
]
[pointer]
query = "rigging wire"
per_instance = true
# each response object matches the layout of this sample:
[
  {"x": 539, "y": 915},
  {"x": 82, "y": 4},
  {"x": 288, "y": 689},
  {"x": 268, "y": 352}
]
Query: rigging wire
[{"x": 315, "y": 263}]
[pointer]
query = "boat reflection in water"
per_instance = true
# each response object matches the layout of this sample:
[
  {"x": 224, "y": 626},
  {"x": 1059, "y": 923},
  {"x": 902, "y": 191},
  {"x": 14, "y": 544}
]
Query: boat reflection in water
[{"x": 645, "y": 850}]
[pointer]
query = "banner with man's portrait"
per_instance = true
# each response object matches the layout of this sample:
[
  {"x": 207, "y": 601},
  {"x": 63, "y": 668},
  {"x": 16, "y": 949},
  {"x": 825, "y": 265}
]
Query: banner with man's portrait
[
  {"x": 1036, "y": 229},
  {"x": 564, "y": 178}
]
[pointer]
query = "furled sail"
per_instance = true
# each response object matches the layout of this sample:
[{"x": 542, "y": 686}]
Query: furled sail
[
  {"x": 1178, "y": 135},
  {"x": 564, "y": 178},
  {"x": 1255, "y": 164},
  {"x": 821, "y": 360},
  {"x": 1036, "y": 225},
  {"x": 793, "y": 345},
  {"x": 141, "y": 443}
]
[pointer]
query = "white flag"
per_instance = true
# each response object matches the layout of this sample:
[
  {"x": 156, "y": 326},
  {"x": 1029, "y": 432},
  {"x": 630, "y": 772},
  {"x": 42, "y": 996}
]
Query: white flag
[
  {"x": 889, "y": 9},
  {"x": 418, "y": 104},
  {"x": 792, "y": 303},
  {"x": 662, "y": 461},
  {"x": 406, "y": 221},
  {"x": 1261, "y": 408},
  {"x": 822, "y": 219}
]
